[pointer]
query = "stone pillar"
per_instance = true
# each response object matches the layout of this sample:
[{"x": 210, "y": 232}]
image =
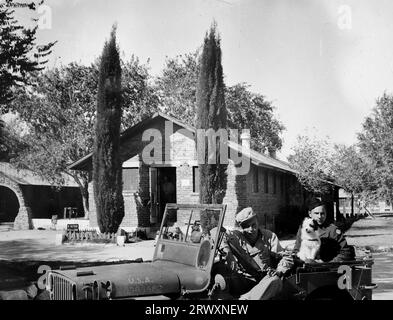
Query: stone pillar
[{"x": 23, "y": 219}]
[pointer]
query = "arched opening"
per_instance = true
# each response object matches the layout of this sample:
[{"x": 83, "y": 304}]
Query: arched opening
[{"x": 9, "y": 205}]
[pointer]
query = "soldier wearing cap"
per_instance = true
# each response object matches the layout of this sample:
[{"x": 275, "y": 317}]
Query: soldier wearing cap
[
  {"x": 334, "y": 247},
  {"x": 259, "y": 256}
]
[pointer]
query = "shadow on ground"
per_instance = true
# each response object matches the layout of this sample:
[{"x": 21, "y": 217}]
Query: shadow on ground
[
  {"x": 29, "y": 248},
  {"x": 17, "y": 274}
]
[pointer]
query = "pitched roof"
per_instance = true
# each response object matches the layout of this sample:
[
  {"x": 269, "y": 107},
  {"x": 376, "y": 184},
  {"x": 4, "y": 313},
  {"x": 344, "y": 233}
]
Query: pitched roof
[
  {"x": 28, "y": 177},
  {"x": 256, "y": 157},
  {"x": 260, "y": 159}
]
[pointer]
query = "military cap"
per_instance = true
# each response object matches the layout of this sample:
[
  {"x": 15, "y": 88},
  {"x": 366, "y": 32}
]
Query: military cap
[
  {"x": 315, "y": 202},
  {"x": 245, "y": 215}
]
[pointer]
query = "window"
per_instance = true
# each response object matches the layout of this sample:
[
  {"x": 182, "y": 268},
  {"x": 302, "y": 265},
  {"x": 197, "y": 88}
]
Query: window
[
  {"x": 274, "y": 183},
  {"x": 266, "y": 181},
  {"x": 195, "y": 179},
  {"x": 255, "y": 180},
  {"x": 282, "y": 184},
  {"x": 130, "y": 179}
]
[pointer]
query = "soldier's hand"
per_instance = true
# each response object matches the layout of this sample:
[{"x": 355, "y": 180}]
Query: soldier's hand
[
  {"x": 285, "y": 264},
  {"x": 288, "y": 260},
  {"x": 231, "y": 260}
]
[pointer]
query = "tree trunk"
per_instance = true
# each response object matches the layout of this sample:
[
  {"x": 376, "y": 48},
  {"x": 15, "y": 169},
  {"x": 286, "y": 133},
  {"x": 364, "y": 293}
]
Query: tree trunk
[
  {"x": 85, "y": 200},
  {"x": 83, "y": 183},
  {"x": 352, "y": 204}
]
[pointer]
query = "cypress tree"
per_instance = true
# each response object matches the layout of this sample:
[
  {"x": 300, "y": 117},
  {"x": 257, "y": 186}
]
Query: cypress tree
[
  {"x": 107, "y": 166},
  {"x": 211, "y": 113}
]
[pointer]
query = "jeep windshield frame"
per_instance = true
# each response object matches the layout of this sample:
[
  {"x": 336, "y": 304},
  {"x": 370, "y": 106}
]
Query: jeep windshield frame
[{"x": 211, "y": 212}]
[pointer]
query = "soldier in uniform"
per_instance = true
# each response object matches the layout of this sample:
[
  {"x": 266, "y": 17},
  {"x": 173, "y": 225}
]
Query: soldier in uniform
[
  {"x": 262, "y": 260},
  {"x": 334, "y": 247}
]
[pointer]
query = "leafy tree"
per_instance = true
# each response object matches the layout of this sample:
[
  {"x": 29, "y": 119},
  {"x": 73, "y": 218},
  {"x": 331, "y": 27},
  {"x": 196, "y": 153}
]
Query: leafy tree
[
  {"x": 60, "y": 114},
  {"x": 19, "y": 53},
  {"x": 248, "y": 110},
  {"x": 376, "y": 144},
  {"x": 353, "y": 171},
  {"x": 312, "y": 162},
  {"x": 211, "y": 113},
  {"x": 140, "y": 99},
  {"x": 317, "y": 161},
  {"x": 107, "y": 169},
  {"x": 364, "y": 169},
  {"x": 176, "y": 87},
  {"x": 11, "y": 143}
]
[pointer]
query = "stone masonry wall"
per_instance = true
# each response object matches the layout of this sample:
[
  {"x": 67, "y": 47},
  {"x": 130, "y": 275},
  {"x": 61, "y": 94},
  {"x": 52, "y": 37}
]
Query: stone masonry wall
[{"x": 23, "y": 219}]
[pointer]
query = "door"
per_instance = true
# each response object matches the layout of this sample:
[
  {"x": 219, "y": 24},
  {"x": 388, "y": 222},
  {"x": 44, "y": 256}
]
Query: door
[
  {"x": 167, "y": 188},
  {"x": 162, "y": 191}
]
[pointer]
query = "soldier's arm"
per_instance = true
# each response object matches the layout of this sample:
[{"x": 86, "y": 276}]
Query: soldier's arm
[
  {"x": 224, "y": 246},
  {"x": 341, "y": 240},
  {"x": 338, "y": 235},
  {"x": 275, "y": 244}
]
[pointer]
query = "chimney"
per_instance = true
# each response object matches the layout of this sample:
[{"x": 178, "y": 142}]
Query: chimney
[
  {"x": 272, "y": 153},
  {"x": 245, "y": 138}
]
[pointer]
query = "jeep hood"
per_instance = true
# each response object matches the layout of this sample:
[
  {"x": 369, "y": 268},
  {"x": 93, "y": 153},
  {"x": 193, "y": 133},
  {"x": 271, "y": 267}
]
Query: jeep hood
[{"x": 126, "y": 280}]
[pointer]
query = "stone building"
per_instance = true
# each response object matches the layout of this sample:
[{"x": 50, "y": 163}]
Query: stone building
[
  {"x": 269, "y": 186},
  {"x": 25, "y": 196}
]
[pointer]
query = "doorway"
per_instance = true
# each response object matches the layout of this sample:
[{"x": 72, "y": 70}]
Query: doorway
[
  {"x": 163, "y": 190},
  {"x": 9, "y": 205}
]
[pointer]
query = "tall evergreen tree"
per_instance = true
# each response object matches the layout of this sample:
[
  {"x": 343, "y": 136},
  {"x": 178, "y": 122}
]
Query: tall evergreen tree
[
  {"x": 107, "y": 167},
  {"x": 211, "y": 114}
]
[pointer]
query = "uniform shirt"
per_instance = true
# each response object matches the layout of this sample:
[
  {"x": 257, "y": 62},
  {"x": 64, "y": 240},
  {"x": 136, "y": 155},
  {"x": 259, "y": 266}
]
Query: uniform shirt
[
  {"x": 332, "y": 242},
  {"x": 264, "y": 252}
]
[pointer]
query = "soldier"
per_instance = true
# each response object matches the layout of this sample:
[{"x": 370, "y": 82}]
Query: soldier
[
  {"x": 334, "y": 247},
  {"x": 262, "y": 260}
]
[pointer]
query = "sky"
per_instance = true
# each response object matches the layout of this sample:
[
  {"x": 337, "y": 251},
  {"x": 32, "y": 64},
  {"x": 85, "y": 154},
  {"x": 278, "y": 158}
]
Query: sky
[{"x": 322, "y": 63}]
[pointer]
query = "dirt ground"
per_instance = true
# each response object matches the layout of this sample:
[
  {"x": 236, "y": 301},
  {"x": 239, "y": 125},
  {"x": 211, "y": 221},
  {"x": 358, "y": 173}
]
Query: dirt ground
[{"x": 39, "y": 245}]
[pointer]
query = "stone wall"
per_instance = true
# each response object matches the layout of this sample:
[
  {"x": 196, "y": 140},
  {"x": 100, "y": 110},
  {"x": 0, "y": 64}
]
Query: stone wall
[
  {"x": 264, "y": 192},
  {"x": 23, "y": 219}
]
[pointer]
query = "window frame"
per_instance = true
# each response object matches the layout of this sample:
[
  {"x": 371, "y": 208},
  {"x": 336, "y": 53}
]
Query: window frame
[
  {"x": 266, "y": 181},
  {"x": 136, "y": 186},
  {"x": 195, "y": 184},
  {"x": 255, "y": 180}
]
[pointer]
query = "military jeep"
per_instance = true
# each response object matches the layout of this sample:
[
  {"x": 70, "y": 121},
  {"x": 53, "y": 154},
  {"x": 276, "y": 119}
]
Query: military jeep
[{"x": 188, "y": 264}]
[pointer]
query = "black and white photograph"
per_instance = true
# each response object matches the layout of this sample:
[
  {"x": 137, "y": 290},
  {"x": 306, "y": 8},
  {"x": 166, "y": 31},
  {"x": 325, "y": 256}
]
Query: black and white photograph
[{"x": 209, "y": 152}]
